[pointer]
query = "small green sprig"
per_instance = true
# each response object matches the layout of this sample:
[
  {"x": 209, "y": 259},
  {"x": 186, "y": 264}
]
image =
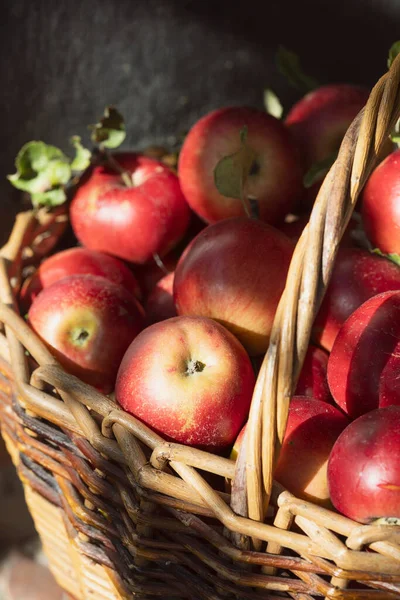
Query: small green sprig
[{"x": 44, "y": 171}]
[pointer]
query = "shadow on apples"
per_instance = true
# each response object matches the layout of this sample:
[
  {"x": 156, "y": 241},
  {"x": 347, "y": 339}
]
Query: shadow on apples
[
  {"x": 376, "y": 353},
  {"x": 304, "y": 457}
]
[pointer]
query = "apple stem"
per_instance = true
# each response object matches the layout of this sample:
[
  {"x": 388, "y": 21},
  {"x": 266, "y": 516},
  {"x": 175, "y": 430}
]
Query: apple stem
[
  {"x": 126, "y": 178},
  {"x": 194, "y": 366},
  {"x": 79, "y": 336},
  {"x": 160, "y": 264}
]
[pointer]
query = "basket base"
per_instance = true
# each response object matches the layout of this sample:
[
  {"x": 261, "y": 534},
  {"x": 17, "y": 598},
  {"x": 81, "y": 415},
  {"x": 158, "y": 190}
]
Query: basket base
[{"x": 75, "y": 573}]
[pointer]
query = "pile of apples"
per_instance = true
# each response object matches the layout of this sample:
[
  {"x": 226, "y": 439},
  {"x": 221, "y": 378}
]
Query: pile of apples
[{"x": 169, "y": 299}]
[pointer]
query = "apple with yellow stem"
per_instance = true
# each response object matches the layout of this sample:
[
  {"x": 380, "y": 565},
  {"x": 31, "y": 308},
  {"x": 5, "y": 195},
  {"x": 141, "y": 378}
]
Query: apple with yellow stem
[
  {"x": 189, "y": 379},
  {"x": 88, "y": 323},
  {"x": 132, "y": 214}
]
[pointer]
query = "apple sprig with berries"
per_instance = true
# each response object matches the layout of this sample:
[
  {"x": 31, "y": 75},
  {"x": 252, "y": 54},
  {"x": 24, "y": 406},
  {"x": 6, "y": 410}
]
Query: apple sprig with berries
[{"x": 46, "y": 172}]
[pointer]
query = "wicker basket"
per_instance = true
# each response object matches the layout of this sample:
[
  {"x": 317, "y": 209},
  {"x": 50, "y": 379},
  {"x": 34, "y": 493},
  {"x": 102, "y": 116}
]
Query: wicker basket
[{"x": 123, "y": 514}]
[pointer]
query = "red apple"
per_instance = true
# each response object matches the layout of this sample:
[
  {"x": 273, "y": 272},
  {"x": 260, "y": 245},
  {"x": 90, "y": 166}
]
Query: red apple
[
  {"x": 364, "y": 468},
  {"x": 313, "y": 380},
  {"x": 320, "y": 119},
  {"x": 312, "y": 429},
  {"x": 364, "y": 365},
  {"x": 357, "y": 276},
  {"x": 189, "y": 379},
  {"x": 275, "y": 176},
  {"x": 136, "y": 222},
  {"x": 318, "y": 123},
  {"x": 88, "y": 323},
  {"x": 78, "y": 261},
  {"x": 380, "y": 201},
  {"x": 160, "y": 304},
  {"x": 234, "y": 272}
]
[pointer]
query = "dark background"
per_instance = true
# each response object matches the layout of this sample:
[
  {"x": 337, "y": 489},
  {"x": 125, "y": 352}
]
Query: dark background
[{"x": 164, "y": 63}]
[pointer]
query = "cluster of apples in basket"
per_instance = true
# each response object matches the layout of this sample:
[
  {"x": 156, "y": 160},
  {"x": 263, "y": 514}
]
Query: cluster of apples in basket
[{"x": 170, "y": 296}]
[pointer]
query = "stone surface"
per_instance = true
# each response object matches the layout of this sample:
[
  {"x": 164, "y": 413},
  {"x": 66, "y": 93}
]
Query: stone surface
[{"x": 22, "y": 578}]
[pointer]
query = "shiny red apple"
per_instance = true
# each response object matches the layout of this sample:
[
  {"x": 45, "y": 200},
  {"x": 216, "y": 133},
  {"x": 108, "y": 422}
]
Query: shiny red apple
[
  {"x": 131, "y": 222},
  {"x": 357, "y": 276},
  {"x": 234, "y": 272},
  {"x": 78, "y": 261},
  {"x": 380, "y": 202},
  {"x": 312, "y": 429},
  {"x": 88, "y": 323},
  {"x": 160, "y": 303},
  {"x": 318, "y": 123},
  {"x": 320, "y": 119},
  {"x": 364, "y": 468},
  {"x": 364, "y": 365},
  {"x": 275, "y": 175},
  {"x": 189, "y": 379}
]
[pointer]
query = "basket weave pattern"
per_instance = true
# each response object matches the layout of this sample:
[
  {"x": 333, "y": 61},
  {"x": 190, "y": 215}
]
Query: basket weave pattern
[{"x": 124, "y": 514}]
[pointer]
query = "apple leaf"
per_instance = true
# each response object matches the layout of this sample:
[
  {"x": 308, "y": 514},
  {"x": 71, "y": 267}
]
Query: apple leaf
[
  {"x": 272, "y": 104},
  {"x": 41, "y": 168},
  {"x": 395, "y": 137},
  {"x": 393, "y": 52},
  {"x": 82, "y": 157},
  {"x": 395, "y": 258},
  {"x": 53, "y": 197},
  {"x": 288, "y": 64},
  {"x": 318, "y": 170},
  {"x": 110, "y": 131},
  {"x": 232, "y": 171}
]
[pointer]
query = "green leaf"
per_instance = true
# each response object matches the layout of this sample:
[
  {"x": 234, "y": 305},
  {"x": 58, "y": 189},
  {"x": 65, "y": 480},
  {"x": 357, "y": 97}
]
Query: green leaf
[
  {"x": 272, "y": 104},
  {"x": 110, "y": 131},
  {"x": 40, "y": 167},
  {"x": 395, "y": 258},
  {"x": 395, "y": 135},
  {"x": 82, "y": 155},
  {"x": 318, "y": 170},
  {"x": 232, "y": 171},
  {"x": 393, "y": 52},
  {"x": 50, "y": 198},
  {"x": 288, "y": 64}
]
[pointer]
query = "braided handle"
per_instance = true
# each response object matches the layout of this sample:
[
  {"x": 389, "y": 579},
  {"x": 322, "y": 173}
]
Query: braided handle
[{"x": 307, "y": 280}]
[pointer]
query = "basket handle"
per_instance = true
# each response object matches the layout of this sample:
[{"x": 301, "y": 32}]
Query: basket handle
[{"x": 306, "y": 283}]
